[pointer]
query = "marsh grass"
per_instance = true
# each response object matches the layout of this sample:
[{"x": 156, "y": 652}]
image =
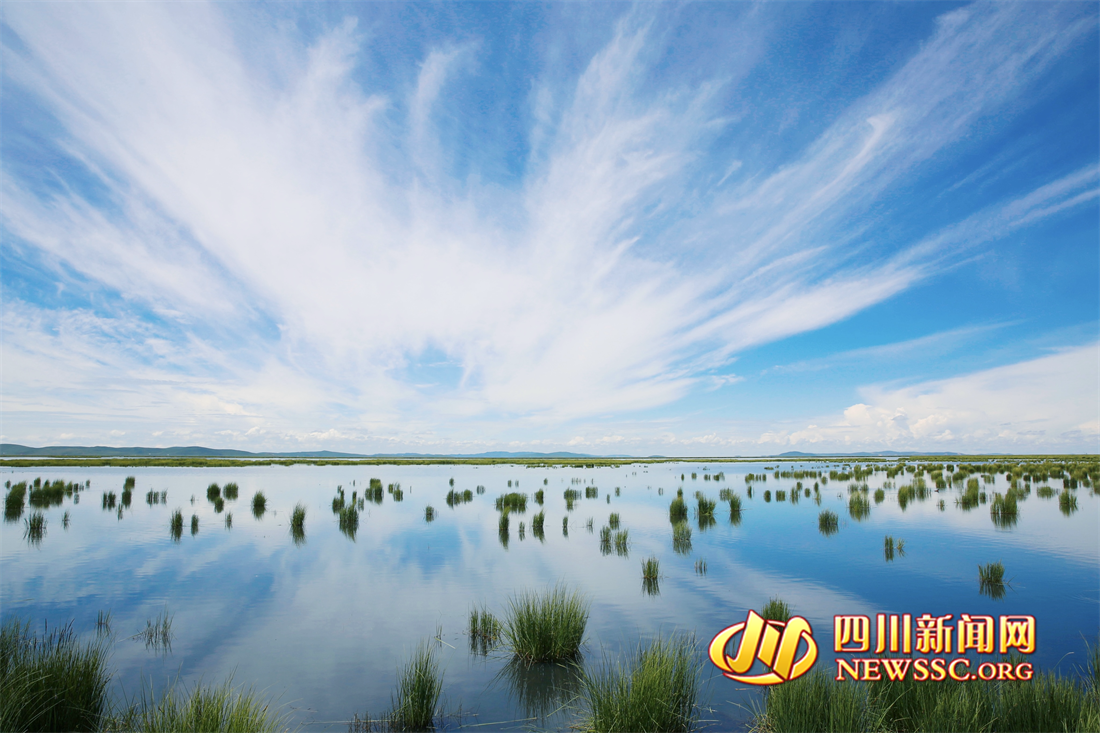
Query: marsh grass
[
  {"x": 537, "y": 523},
  {"x": 858, "y": 506},
  {"x": 103, "y": 622},
  {"x": 651, "y": 569},
  {"x": 513, "y": 502},
  {"x": 51, "y": 682},
  {"x": 827, "y": 523},
  {"x": 1044, "y": 492},
  {"x": 681, "y": 538},
  {"x": 991, "y": 580},
  {"x": 217, "y": 709},
  {"x": 429, "y": 514},
  {"x": 229, "y": 520},
  {"x": 880, "y": 496},
  {"x": 213, "y": 492},
  {"x": 776, "y": 609},
  {"x": 656, "y": 690},
  {"x": 175, "y": 525},
  {"x": 259, "y": 504},
  {"x": 158, "y": 632},
  {"x": 622, "y": 543},
  {"x": 349, "y": 521},
  {"x": 565, "y": 526},
  {"x": 540, "y": 495},
  {"x": 815, "y": 702},
  {"x": 677, "y": 510},
  {"x": 34, "y": 528},
  {"x": 701, "y": 567},
  {"x": 14, "y": 501},
  {"x": 485, "y": 630},
  {"x": 546, "y": 627},
  {"x": 298, "y": 524},
  {"x": 605, "y": 540},
  {"x": 704, "y": 507},
  {"x": 231, "y": 491},
  {"x": 194, "y": 525},
  {"x": 219, "y": 505},
  {"x": 1067, "y": 502},
  {"x": 502, "y": 523}
]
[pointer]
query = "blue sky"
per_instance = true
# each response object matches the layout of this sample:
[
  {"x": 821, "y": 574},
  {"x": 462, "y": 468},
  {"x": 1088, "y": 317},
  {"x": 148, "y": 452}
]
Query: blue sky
[{"x": 678, "y": 229}]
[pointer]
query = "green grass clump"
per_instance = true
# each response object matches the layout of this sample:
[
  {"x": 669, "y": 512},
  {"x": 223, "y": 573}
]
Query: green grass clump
[
  {"x": 681, "y": 538},
  {"x": 349, "y": 521},
  {"x": 14, "y": 501},
  {"x": 502, "y": 523},
  {"x": 419, "y": 686},
  {"x": 1045, "y": 492},
  {"x": 546, "y": 627},
  {"x": 176, "y": 525},
  {"x": 827, "y": 523},
  {"x": 677, "y": 510},
  {"x": 539, "y": 496},
  {"x": 231, "y": 491},
  {"x": 880, "y": 496},
  {"x": 1067, "y": 502},
  {"x": 259, "y": 504},
  {"x": 622, "y": 542},
  {"x": 858, "y": 507},
  {"x": 218, "y": 709},
  {"x": 213, "y": 492},
  {"x": 129, "y": 483},
  {"x": 34, "y": 528},
  {"x": 613, "y": 520},
  {"x": 591, "y": 492},
  {"x": 991, "y": 580},
  {"x": 513, "y": 502},
  {"x": 657, "y": 690},
  {"x": 705, "y": 507},
  {"x": 815, "y": 702},
  {"x": 651, "y": 568},
  {"x": 776, "y": 609},
  {"x": 194, "y": 525},
  {"x": 485, "y": 630},
  {"x": 52, "y": 682},
  {"x": 429, "y": 514},
  {"x": 298, "y": 522}
]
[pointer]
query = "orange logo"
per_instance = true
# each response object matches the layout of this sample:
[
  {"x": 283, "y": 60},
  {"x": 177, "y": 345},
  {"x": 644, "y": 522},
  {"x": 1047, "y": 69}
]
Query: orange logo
[{"x": 774, "y": 643}]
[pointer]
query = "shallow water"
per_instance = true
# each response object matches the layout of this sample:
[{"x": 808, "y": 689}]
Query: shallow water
[{"x": 322, "y": 626}]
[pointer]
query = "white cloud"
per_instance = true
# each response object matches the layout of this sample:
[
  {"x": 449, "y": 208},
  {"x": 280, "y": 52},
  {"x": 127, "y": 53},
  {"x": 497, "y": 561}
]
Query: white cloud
[
  {"x": 1051, "y": 403},
  {"x": 272, "y": 221}
]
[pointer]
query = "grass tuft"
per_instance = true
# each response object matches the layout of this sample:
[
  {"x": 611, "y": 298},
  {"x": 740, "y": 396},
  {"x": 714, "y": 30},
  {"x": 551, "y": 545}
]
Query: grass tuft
[
  {"x": 827, "y": 523},
  {"x": 259, "y": 504},
  {"x": 657, "y": 690},
  {"x": 776, "y": 609},
  {"x": 419, "y": 686},
  {"x": 219, "y": 709},
  {"x": 546, "y": 627}
]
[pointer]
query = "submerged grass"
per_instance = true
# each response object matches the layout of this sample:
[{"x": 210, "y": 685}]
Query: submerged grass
[
  {"x": 656, "y": 690},
  {"x": 546, "y": 627},
  {"x": 485, "y": 630},
  {"x": 681, "y": 538},
  {"x": 52, "y": 682}
]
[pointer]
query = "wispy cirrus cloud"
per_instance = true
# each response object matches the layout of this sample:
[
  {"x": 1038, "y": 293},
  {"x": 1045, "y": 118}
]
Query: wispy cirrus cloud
[{"x": 305, "y": 231}]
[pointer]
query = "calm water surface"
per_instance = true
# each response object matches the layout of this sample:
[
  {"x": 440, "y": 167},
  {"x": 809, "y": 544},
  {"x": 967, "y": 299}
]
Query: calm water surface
[{"x": 322, "y": 626}]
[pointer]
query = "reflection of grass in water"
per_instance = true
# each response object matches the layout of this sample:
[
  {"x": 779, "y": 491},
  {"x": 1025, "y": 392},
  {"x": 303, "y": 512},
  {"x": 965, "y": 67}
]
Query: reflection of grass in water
[
  {"x": 541, "y": 690},
  {"x": 613, "y": 520},
  {"x": 651, "y": 568},
  {"x": 429, "y": 514},
  {"x": 888, "y": 548},
  {"x": 701, "y": 567},
  {"x": 231, "y": 491},
  {"x": 677, "y": 510},
  {"x": 103, "y": 622},
  {"x": 776, "y": 609},
  {"x": 1045, "y": 492},
  {"x": 827, "y": 523},
  {"x": 880, "y": 496},
  {"x": 546, "y": 627},
  {"x": 565, "y": 526},
  {"x": 681, "y": 538},
  {"x": 605, "y": 540},
  {"x": 656, "y": 690},
  {"x": 194, "y": 525},
  {"x": 229, "y": 520},
  {"x": 213, "y": 492},
  {"x": 537, "y": 523}
]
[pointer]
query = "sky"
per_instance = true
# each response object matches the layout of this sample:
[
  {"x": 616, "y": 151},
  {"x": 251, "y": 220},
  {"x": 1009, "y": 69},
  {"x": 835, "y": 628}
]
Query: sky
[{"x": 699, "y": 229}]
